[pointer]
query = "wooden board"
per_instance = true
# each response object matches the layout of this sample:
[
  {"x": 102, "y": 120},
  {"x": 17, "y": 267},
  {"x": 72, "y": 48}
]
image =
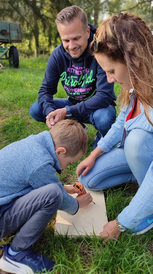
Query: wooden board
[{"x": 87, "y": 221}]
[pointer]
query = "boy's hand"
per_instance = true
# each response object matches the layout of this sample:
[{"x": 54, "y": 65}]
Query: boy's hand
[
  {"x": 110, "y": 231},
  {"x": 81, "y": 187},
  {"x": 84, "y": 200},
  {"x": 71, "y": 190}
]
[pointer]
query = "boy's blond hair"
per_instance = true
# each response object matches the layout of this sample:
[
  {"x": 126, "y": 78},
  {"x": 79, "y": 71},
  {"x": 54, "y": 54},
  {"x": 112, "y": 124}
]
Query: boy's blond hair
[{"x": 71, "y": 135}]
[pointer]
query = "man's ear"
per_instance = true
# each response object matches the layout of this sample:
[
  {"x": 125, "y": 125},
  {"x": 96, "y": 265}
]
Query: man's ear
[
  {"x": 88, "y": 31},
  {"x": 60, "y": 151}
]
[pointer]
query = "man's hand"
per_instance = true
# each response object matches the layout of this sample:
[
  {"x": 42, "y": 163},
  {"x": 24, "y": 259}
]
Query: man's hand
[
  {"x": 84, "y": 200},
  {"x": 85, "y": 166},
  {"x": 55, "y": 116},
  {"x": 110, "y": 231}
]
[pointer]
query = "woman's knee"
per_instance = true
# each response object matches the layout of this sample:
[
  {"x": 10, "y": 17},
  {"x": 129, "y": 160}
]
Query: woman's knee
[
  {"x": 138, "y": 145},
  {"x": 106, "y": 170},
  {"x": 84, "y": 180},
  {"x": 93, "y": 180},
  {"x": 134, "y": 143}
]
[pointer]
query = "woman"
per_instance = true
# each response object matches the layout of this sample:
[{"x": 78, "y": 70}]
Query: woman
[{"x": 123, "y": 46}]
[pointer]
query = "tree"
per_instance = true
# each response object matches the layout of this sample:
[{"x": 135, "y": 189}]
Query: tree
[{"x": 37, "y": 17}]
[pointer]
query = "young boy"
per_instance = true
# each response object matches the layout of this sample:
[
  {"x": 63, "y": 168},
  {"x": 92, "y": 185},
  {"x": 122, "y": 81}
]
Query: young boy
[{"x": 30, "y": 192}]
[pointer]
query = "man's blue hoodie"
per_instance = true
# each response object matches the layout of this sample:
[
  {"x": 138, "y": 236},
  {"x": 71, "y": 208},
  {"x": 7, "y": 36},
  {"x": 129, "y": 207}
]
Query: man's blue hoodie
[{"x": 83, "y": 79}]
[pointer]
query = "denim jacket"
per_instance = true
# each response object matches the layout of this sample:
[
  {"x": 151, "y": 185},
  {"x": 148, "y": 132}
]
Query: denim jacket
[{"x": 121, "y": 128}]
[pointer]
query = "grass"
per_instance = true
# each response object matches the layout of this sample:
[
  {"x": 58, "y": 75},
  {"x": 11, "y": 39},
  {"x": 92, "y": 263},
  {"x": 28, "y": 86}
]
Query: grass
[{"x": 78, "y": 255}]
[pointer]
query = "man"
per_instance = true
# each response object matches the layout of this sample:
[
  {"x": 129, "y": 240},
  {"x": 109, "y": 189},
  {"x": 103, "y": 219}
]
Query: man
[{"x": 91, "y": 98}]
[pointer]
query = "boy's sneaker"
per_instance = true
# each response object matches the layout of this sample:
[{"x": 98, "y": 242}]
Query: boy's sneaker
[
  {"x": 25, "y": 262},
  {"x": 145, "y": 225}
]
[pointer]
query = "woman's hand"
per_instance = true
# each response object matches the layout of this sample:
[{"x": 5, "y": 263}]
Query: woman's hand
[
  {"x": 110, "y": 231},
  {"x": 88, "y": 163},
  {"x": 85, "y": 166}
]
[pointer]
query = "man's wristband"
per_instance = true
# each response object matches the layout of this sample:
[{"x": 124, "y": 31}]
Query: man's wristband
[
  {"x": 68, "y": 112},
  {"x": 120, "y": 227}
]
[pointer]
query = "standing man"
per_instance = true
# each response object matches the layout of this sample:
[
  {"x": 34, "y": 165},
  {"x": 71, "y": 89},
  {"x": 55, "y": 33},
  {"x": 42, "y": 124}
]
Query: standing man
[{"x": 91, "y": 98}]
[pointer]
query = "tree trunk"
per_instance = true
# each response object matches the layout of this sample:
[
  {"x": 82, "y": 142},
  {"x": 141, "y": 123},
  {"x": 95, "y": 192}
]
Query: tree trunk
[
  {"x": 96, "y": 12},
  {"x": 49, "y": 35},
  {"x": 36, "y": 38},
  {"x": 35, "y": 29}
]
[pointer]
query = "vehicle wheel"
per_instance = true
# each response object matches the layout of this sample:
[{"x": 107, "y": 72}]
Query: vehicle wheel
[{"x": 13, "y": 57}]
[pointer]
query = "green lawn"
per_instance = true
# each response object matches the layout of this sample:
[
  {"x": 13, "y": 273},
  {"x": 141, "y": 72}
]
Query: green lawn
[{"x": 130, "y": 254}]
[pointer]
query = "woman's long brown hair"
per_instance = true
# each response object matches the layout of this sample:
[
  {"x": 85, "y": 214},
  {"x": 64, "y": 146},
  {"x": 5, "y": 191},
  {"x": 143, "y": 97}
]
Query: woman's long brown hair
[{"x": 126, "y": 38}]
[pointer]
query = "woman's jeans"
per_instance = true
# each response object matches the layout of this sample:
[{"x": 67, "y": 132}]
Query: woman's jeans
[
  {"x": 30, "y": 214},
  {"x": 132, "y": 162},
  {"x": 101, "y": 119}
]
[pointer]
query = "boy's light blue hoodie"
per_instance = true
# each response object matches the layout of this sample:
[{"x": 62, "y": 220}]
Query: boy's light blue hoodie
[{"x": 29, "y": 164}]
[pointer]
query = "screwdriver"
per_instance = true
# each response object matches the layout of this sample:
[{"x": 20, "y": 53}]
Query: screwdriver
[{"x": 78, "y": 187}]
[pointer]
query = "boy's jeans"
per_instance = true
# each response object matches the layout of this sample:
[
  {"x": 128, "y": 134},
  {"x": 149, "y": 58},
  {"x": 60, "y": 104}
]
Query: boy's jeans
[
  {"x": 30, "y": 213},
  {"x": 101, "y": 119},
  {"x": 121, "y": 165}
]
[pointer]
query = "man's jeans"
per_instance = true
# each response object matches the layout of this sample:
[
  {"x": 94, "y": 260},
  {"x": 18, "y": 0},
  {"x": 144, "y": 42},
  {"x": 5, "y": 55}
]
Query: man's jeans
[
  {"x": 30, "y": 214},
  {"x": 101, "y": 119},
  {"x": 134, "y": 162}
]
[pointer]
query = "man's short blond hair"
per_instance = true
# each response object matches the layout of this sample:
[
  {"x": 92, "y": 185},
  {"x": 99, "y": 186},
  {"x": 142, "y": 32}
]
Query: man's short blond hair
[
  {"x": 68, "y": 14},
  {"x": 71, "y": 135}
]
